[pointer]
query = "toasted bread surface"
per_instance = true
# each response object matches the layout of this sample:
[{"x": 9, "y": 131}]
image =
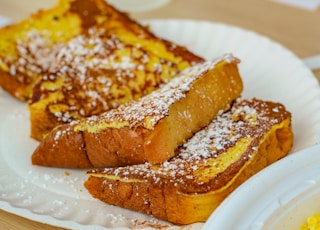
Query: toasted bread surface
[
  {"x": 113, "y": 62},
  {"x": 28, "y": 48},
  {"x": 81, "y": 58},
  {"x": 150, "y": 129},
  {"x": 207, "y": 168}
]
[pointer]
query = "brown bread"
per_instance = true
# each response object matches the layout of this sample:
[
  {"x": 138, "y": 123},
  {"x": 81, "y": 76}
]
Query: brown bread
[
  {"x": 150, "y": 129},
  {"x": 215, "y": 161},
  {"x": 82, "y": 58}
]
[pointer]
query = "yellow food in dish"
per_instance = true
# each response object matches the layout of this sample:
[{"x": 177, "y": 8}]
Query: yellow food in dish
[{"x": 313, "y": 223}]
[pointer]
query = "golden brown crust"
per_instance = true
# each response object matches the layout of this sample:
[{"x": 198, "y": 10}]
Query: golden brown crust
[
  {"x": 13, "y": 86},
  {"x": 74, "y": 144},
  {"x": 25, "y": 46},
  {"x": 187, "y": 188},
  {"x": 32, "y": 61},
  {"x": 150, "y": 129},
  {"x": 103, "y": 147},
  {"x": 113, "y": 62}
]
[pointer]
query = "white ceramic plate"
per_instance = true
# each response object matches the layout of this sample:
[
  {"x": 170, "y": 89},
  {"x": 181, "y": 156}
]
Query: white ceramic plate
[
  {"x": 280, "y": 197},
  {"x": 57, "y": 196}
]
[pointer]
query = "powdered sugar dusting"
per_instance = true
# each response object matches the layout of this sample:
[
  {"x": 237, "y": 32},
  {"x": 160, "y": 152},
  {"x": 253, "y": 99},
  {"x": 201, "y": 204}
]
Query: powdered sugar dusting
[
  {"x": 207, "y": 146},
  {"x": 102, "y": 69},
  {"x": 147, "y": 111},
  {"x": 36, "y": 53}
]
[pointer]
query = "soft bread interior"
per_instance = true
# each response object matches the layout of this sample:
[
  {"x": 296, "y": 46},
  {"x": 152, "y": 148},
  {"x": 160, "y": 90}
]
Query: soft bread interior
[{"x": 189, "y": 187}]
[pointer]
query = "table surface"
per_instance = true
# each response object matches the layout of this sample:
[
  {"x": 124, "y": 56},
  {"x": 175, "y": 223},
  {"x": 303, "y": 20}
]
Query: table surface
[{"x": 296, "y": 29}]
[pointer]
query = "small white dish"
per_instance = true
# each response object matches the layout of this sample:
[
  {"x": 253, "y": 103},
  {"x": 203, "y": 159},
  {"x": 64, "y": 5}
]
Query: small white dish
[{"x": 282, "y": 196}]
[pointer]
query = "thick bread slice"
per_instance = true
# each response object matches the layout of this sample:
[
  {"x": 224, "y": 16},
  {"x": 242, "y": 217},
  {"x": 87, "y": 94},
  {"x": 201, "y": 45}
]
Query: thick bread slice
[
  {"x": 114, "y": 61},
  {"x": 95, "y": 72},
  {"x": 216, "y": 160},
  {"x": 28, "y": 48},
  {"x": 150, "y": 129},
  {"x": 81, "y": 58}
]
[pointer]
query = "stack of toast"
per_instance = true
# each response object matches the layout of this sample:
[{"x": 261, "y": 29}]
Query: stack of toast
[
  {"x": 163, "y": 131},
  {"x": 149, "y": 129},
  {"x": 206, "y": 169}
]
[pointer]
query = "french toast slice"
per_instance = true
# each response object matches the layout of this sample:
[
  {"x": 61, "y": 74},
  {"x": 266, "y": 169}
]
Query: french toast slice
[
  {"x": 28, "y": 48},
  {"x": 81, "y": 58},
  {"x": 114, "y": 61},
  {"x": 207, "y": 168},
  {"x": 149, "y": 129}
]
